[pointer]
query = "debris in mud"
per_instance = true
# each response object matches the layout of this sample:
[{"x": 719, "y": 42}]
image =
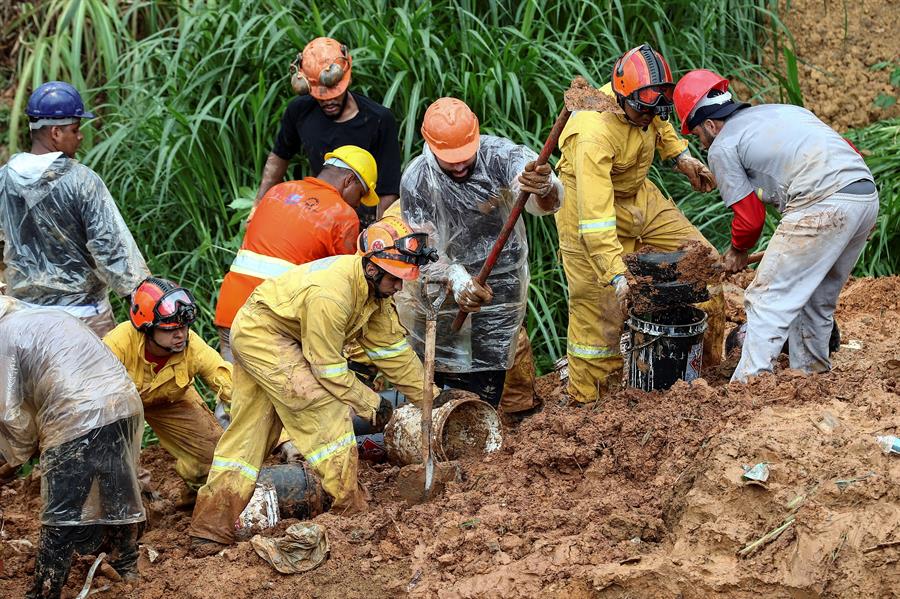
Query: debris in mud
[
  {"x": 555, "y": 511},
  {"x": 581, "y": 95}
]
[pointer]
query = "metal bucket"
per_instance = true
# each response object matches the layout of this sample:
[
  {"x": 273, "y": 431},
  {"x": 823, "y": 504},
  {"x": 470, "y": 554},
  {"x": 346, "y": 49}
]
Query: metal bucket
[
  {"x": 664, "y": 347},
  {"x": 298, "y": 490},
  {"x": 461, "y": 428}
]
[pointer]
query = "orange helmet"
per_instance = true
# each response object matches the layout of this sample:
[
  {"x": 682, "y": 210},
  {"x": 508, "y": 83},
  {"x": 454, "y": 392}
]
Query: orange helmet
[
  {"x": 391, "y": 245},
  {"x": 322, "y": 69},
  {"x": 451, "y": 130},
  {"x": 642, "y": 79},
  {"x": 161, "y": 303}
]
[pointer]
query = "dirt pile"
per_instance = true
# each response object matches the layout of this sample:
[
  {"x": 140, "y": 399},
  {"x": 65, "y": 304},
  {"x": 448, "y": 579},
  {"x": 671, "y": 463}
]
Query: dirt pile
[{"x": 638, "y": 496}]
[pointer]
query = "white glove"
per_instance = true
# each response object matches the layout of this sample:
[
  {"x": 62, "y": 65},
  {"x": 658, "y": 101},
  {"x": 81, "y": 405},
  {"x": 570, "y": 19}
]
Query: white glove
[
  {"x": 467, "y": 292},
  {"x": 620, "y": 283}
]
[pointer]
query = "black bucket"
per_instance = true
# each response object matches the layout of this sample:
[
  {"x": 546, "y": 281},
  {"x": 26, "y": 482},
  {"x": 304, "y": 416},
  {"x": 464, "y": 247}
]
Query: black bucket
[
  {"x": 665, "y": 346},
  {"x": 300, "y": 494}
]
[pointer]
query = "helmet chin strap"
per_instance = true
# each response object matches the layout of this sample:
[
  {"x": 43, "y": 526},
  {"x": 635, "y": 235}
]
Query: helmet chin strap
[
  {"x": 171, "y": 350},
  {"x": 375, "y": 281}
]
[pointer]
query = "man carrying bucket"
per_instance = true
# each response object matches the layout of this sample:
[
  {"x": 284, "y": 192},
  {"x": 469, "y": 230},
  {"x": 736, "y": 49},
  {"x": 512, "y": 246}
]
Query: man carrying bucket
[
  {"x": 612, "y": 209},
  {"x": 290, "y": 371},
  {"x": 785, "y": 156}
]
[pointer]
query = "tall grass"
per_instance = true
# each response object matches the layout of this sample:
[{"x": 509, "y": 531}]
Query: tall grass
[{"x": 191, "y": 93}]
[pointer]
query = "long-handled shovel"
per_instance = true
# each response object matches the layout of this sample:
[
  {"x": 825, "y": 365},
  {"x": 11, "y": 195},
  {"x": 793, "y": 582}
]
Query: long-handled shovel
[
  {"x": 580, "y": 96},
  {"x": 431, "y": 311}
]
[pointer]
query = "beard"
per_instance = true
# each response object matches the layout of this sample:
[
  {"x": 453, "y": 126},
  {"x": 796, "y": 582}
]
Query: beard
[{"x": 337, "y": 114}]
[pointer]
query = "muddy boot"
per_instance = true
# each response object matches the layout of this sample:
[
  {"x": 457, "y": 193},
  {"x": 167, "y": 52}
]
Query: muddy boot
[
  {"x": 186, "y": 499},
  {"x": 53, "y": 561},
  {"x": 205, "y": 547},
  {"x": 122, "y": 540}
]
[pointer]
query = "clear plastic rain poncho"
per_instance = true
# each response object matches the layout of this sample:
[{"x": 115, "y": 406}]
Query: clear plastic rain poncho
[
  {"x": 65, "y": 241},
  {"x": 463, "y": 220},
  {"x": 64, "y": 393}
]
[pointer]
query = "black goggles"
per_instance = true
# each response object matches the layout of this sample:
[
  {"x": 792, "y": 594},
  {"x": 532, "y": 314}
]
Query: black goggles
[
  {"x": 653, "y": 99},
  {"x": 175, "y": 309},
  {"x": 413, "y": 249}
]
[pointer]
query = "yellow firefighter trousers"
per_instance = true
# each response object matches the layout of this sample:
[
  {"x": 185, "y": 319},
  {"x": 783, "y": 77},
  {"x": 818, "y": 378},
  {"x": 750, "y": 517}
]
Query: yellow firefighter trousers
[
  {"x": 274, "y": 387},
  {"x": 518, "y": 389},
  {"x": 595, "y": 319},
  {"x": 188, "y": 430}
]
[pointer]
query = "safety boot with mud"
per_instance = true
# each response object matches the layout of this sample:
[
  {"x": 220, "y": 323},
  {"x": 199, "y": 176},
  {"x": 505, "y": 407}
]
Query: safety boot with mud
[{"x": 205, "y": 547}]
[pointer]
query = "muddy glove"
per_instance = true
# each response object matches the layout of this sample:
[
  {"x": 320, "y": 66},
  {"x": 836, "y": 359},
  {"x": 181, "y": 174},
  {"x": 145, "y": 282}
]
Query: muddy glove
[
  {"x": 536, "y": 179},
  {"x": 468, "y": 293},
  {"x": 701, "y": 178},
  {"x": 620, "y": 283},
  {"x": 736, "y": 260},
  {"x": 289, "y": 453}
]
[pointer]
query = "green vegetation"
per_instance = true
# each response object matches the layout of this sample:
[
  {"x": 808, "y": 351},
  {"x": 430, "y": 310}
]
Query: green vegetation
[{"x": 191, "y": 93}]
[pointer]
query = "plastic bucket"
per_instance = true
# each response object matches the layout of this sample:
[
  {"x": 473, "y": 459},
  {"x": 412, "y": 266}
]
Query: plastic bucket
[
  {"x": 664, "y": 347},
  {"x": 460, "y": 428}
]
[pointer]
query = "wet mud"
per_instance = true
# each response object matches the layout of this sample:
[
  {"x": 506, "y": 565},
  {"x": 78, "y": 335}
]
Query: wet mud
[{"x": 639, "y": 495}]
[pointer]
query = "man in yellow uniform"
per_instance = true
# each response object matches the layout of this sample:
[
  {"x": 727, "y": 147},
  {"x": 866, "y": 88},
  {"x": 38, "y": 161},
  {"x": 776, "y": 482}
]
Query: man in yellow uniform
[
  {"x": 163, "y": 357},
  {"x": 611, "y": 209},
  {"x": 291, "y": 372}
]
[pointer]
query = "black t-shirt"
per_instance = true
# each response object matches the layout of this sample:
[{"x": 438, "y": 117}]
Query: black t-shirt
[{"x": 305, "y": 127}]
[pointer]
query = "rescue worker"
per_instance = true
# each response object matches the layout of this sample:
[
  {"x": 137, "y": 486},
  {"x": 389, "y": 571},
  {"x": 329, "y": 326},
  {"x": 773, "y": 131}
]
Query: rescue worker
[
  {"x": 784, "y": 156},
  {"x": 298, "y": 222},
  {"x": 66, "y": 242},
  {"x": 460, "y": 191},
  {"x": 66, "y": 398},
  {"x": 325, "y": 116},
  {"x": 612, "y": 209},
  {"x": 290, "y": 371},
  {"x": 163, "y": 356}
]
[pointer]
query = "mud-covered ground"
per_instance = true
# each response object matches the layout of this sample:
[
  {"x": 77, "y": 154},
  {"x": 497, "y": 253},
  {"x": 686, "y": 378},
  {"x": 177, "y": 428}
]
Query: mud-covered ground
[{"x": 640, "y": 496}]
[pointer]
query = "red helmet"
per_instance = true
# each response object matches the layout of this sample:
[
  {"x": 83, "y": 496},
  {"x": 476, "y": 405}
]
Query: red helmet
[
  {"x": 161, "y": 303},
  {"x": 693, "y": 87},
  {"x": 642, "y": 79}
]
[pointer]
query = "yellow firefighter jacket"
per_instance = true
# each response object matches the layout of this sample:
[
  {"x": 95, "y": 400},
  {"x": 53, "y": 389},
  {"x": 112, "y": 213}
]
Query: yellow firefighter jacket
[
  {"x": 326, "y": 305},
  {"x": 605, "y": 159},
  {"x": 170, "y": 383}
]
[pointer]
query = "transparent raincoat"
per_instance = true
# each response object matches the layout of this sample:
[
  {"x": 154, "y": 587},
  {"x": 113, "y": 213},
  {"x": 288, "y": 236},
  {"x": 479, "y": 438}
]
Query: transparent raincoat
[
  {"x": 65, "y": 241},
  {"x": 463, "y": 221},
  {"x": 63, "y": 393}
]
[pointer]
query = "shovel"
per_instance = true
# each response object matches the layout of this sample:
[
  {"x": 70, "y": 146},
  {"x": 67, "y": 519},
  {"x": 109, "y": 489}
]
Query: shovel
[
  {"x": 579, "y": 96},
  {"x": 431, "y": 311}
]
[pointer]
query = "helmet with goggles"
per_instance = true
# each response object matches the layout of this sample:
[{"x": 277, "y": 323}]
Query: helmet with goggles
[
  {"x": 642, "y": 80},
  {"x": 160, "y": 303},
  {"x": 392, "y": 245}
]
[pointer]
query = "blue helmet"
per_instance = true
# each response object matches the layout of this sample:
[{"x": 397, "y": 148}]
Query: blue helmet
[{"x": 56, "y": 100}]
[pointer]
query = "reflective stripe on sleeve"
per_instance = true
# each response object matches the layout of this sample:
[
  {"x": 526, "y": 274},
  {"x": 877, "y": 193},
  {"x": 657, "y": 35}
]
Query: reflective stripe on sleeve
[
  {"x": 389, "y": 351},
  {"x": 325, "y": 452},
  {"x": 234, "y": 465},
  {"x": 259, "y": 265},
  {"x": 596, "y": 225},
  {"x": 330, "y": 371},
  {"x": 591, "y": 352}
]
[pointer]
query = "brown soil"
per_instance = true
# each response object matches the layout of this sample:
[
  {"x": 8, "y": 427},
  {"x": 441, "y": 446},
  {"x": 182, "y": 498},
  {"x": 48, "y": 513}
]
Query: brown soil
[
  {"x": 581, "y": 96},
  {"x": 835, "y": 66},
  {"x": 639, "y": 496}
]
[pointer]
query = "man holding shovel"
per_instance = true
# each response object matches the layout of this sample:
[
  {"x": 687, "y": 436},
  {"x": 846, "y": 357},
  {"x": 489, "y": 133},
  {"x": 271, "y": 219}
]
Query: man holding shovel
[
  {"x": 612, "y": 209},
  {"x": 460, "y": 191},
  {"x": 290, "y": 371},
  {"x": 785, "y": 156}
]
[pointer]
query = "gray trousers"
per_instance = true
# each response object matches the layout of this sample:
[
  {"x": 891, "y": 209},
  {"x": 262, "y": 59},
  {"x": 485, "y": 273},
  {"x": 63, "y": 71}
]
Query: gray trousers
[
  {"x": 225, "y": 351},
  {"x": 796, "y": 288}
]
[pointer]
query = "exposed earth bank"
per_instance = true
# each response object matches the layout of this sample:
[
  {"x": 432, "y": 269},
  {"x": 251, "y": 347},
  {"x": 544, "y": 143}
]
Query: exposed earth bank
[{"x": 640, "y": 496}]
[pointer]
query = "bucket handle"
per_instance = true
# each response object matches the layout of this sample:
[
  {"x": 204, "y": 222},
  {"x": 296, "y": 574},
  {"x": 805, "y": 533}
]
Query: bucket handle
[{"x": 643, "y": 345}]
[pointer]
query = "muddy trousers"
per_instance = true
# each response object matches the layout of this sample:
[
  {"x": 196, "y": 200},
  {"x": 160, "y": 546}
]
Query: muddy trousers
[
  {"x": 518, "y": 386},
  {"x": 595, "y": 319},
  {"x": 797, "y": 284},
  {"x": 101, "y": 459},
  {"x": 188, "y": 430},
  {"x": 58, "y": 544},
  {"x": 274, "y": 387}
]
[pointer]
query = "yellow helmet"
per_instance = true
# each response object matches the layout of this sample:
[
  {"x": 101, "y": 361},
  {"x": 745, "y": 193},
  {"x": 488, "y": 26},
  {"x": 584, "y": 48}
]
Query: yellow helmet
[
  {"x": 393, "y": 246},
  {"x": 360, "y": 162}
]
